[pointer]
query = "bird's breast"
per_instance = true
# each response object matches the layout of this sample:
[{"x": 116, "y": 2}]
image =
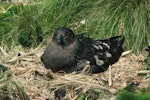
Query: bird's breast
[{"x": 57, "y": 55}]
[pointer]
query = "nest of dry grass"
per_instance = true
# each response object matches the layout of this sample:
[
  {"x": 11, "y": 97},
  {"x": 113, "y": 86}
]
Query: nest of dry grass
[{"x": 41, "y": 84}]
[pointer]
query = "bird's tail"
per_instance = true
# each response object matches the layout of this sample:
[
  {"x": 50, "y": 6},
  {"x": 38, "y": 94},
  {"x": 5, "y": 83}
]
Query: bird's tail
[
  {"x": 116, "y": 41},
  {"x": 116, "y": 48}
]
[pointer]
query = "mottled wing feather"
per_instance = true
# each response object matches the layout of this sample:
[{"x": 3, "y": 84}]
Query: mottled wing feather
[{"x": 101, "y": 53}]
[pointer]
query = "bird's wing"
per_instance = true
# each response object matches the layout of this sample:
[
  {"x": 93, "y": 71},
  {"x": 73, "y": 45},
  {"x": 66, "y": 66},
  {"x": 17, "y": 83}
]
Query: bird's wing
[
  {"x": 101, "y": 53},
  {"x": 109, "y": 50}
]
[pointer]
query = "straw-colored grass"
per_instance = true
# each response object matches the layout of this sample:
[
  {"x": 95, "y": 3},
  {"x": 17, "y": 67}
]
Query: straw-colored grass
[
  {"x": 41, "y": 83},
  {"x": 10, "y": 88}
]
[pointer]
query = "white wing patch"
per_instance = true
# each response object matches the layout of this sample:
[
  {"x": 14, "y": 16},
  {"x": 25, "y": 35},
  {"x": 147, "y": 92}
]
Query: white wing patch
[
  {"x": 106, "y": 45},
  {"x": 108, "y": 54},
  {"x": 98, "y": 62},
  {"x": 95, "y": 46},
  {"x": 98, "y": 45}
]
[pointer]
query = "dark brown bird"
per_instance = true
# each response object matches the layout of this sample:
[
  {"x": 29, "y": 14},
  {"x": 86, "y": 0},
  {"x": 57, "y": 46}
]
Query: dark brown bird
[{"x": 69, "y": 52}]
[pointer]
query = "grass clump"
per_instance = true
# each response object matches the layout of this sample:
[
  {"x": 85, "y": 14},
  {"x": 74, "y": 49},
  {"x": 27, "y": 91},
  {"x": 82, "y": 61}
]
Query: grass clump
[
  {"x": 30, "y": 24},
  {"x": 131, "y": 92},
  {"x": 125, "y": 95},
  {"x": 130, "y": 18},
  {"x": 9, "y": 88}
]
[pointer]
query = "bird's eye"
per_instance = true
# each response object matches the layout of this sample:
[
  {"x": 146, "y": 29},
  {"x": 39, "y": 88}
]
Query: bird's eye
[{"x": 67, "y": 33}]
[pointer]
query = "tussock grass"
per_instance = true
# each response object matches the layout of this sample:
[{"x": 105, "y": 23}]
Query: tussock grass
[
  {"x": 130, "y": 18},
  {"x": 34, "y": 22}
]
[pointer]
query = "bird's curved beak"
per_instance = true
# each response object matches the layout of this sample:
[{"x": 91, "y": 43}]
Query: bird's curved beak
[{"x": 60, "y": 39}]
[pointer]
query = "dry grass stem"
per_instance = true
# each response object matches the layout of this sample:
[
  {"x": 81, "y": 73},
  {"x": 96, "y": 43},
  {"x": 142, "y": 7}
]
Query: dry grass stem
[
  {"x": 3, "y": 51},
  {"x": 126, "y": 53},
  {"x": 110, "y": 77},
  {"x": 143, "y": 72},
  {"x": 41, "y": 83}
]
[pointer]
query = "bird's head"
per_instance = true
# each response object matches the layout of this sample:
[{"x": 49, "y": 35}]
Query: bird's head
[{"x": 63, "y": 36}]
